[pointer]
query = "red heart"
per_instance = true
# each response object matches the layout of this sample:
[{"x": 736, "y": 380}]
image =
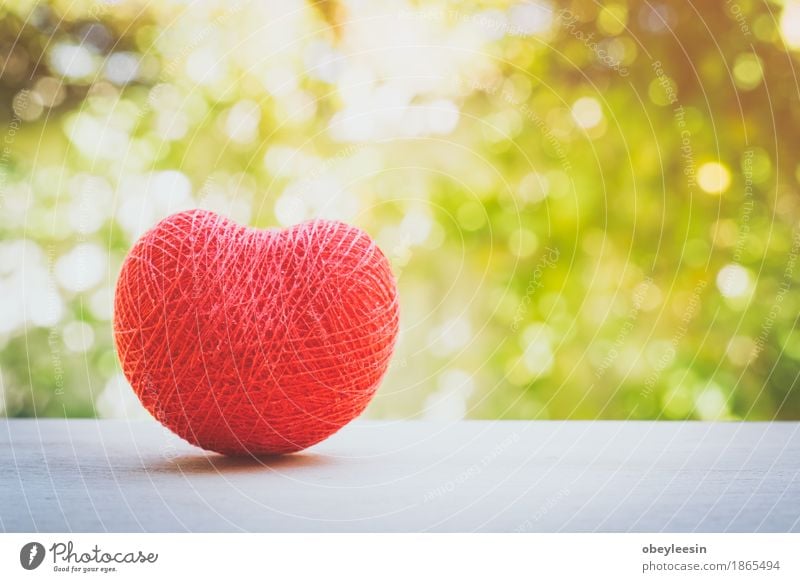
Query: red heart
[{"x": 254, "y": 341}]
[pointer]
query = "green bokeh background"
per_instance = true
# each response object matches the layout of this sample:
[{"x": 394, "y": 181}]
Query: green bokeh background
[{"x": 591, "y": 209}]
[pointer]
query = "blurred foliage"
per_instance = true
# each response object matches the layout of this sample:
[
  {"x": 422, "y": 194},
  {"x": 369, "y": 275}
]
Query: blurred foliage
[{"x": 592, "y": 209}]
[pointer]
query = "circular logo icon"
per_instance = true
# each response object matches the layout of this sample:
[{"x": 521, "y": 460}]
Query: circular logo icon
[{"x": 31, "y": 555}]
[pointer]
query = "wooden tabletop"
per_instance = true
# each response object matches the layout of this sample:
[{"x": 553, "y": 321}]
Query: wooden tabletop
[{"x": 120, "y": 476}]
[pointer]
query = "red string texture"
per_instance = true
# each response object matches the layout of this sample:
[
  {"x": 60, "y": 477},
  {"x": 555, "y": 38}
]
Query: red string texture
[{"x": 247, "y": 341}]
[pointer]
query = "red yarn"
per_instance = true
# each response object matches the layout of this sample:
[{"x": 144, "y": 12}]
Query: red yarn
[{"x": 250, "y": 341}]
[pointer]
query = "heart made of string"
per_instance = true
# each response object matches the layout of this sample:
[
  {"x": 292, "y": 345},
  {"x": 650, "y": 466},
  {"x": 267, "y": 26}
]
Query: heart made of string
[{"x": 254, "y": 341}]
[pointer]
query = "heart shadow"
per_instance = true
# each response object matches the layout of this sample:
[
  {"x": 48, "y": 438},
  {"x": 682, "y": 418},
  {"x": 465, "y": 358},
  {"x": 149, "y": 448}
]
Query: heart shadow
[{"x": 205, "y": 464}]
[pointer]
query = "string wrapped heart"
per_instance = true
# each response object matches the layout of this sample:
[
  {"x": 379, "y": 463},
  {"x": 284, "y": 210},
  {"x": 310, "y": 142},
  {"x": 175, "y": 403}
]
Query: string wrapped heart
[{"x": 247, "y": 341}]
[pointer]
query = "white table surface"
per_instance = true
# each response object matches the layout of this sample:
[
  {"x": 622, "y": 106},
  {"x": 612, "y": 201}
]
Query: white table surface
[{"x": 103, "y": 475}]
